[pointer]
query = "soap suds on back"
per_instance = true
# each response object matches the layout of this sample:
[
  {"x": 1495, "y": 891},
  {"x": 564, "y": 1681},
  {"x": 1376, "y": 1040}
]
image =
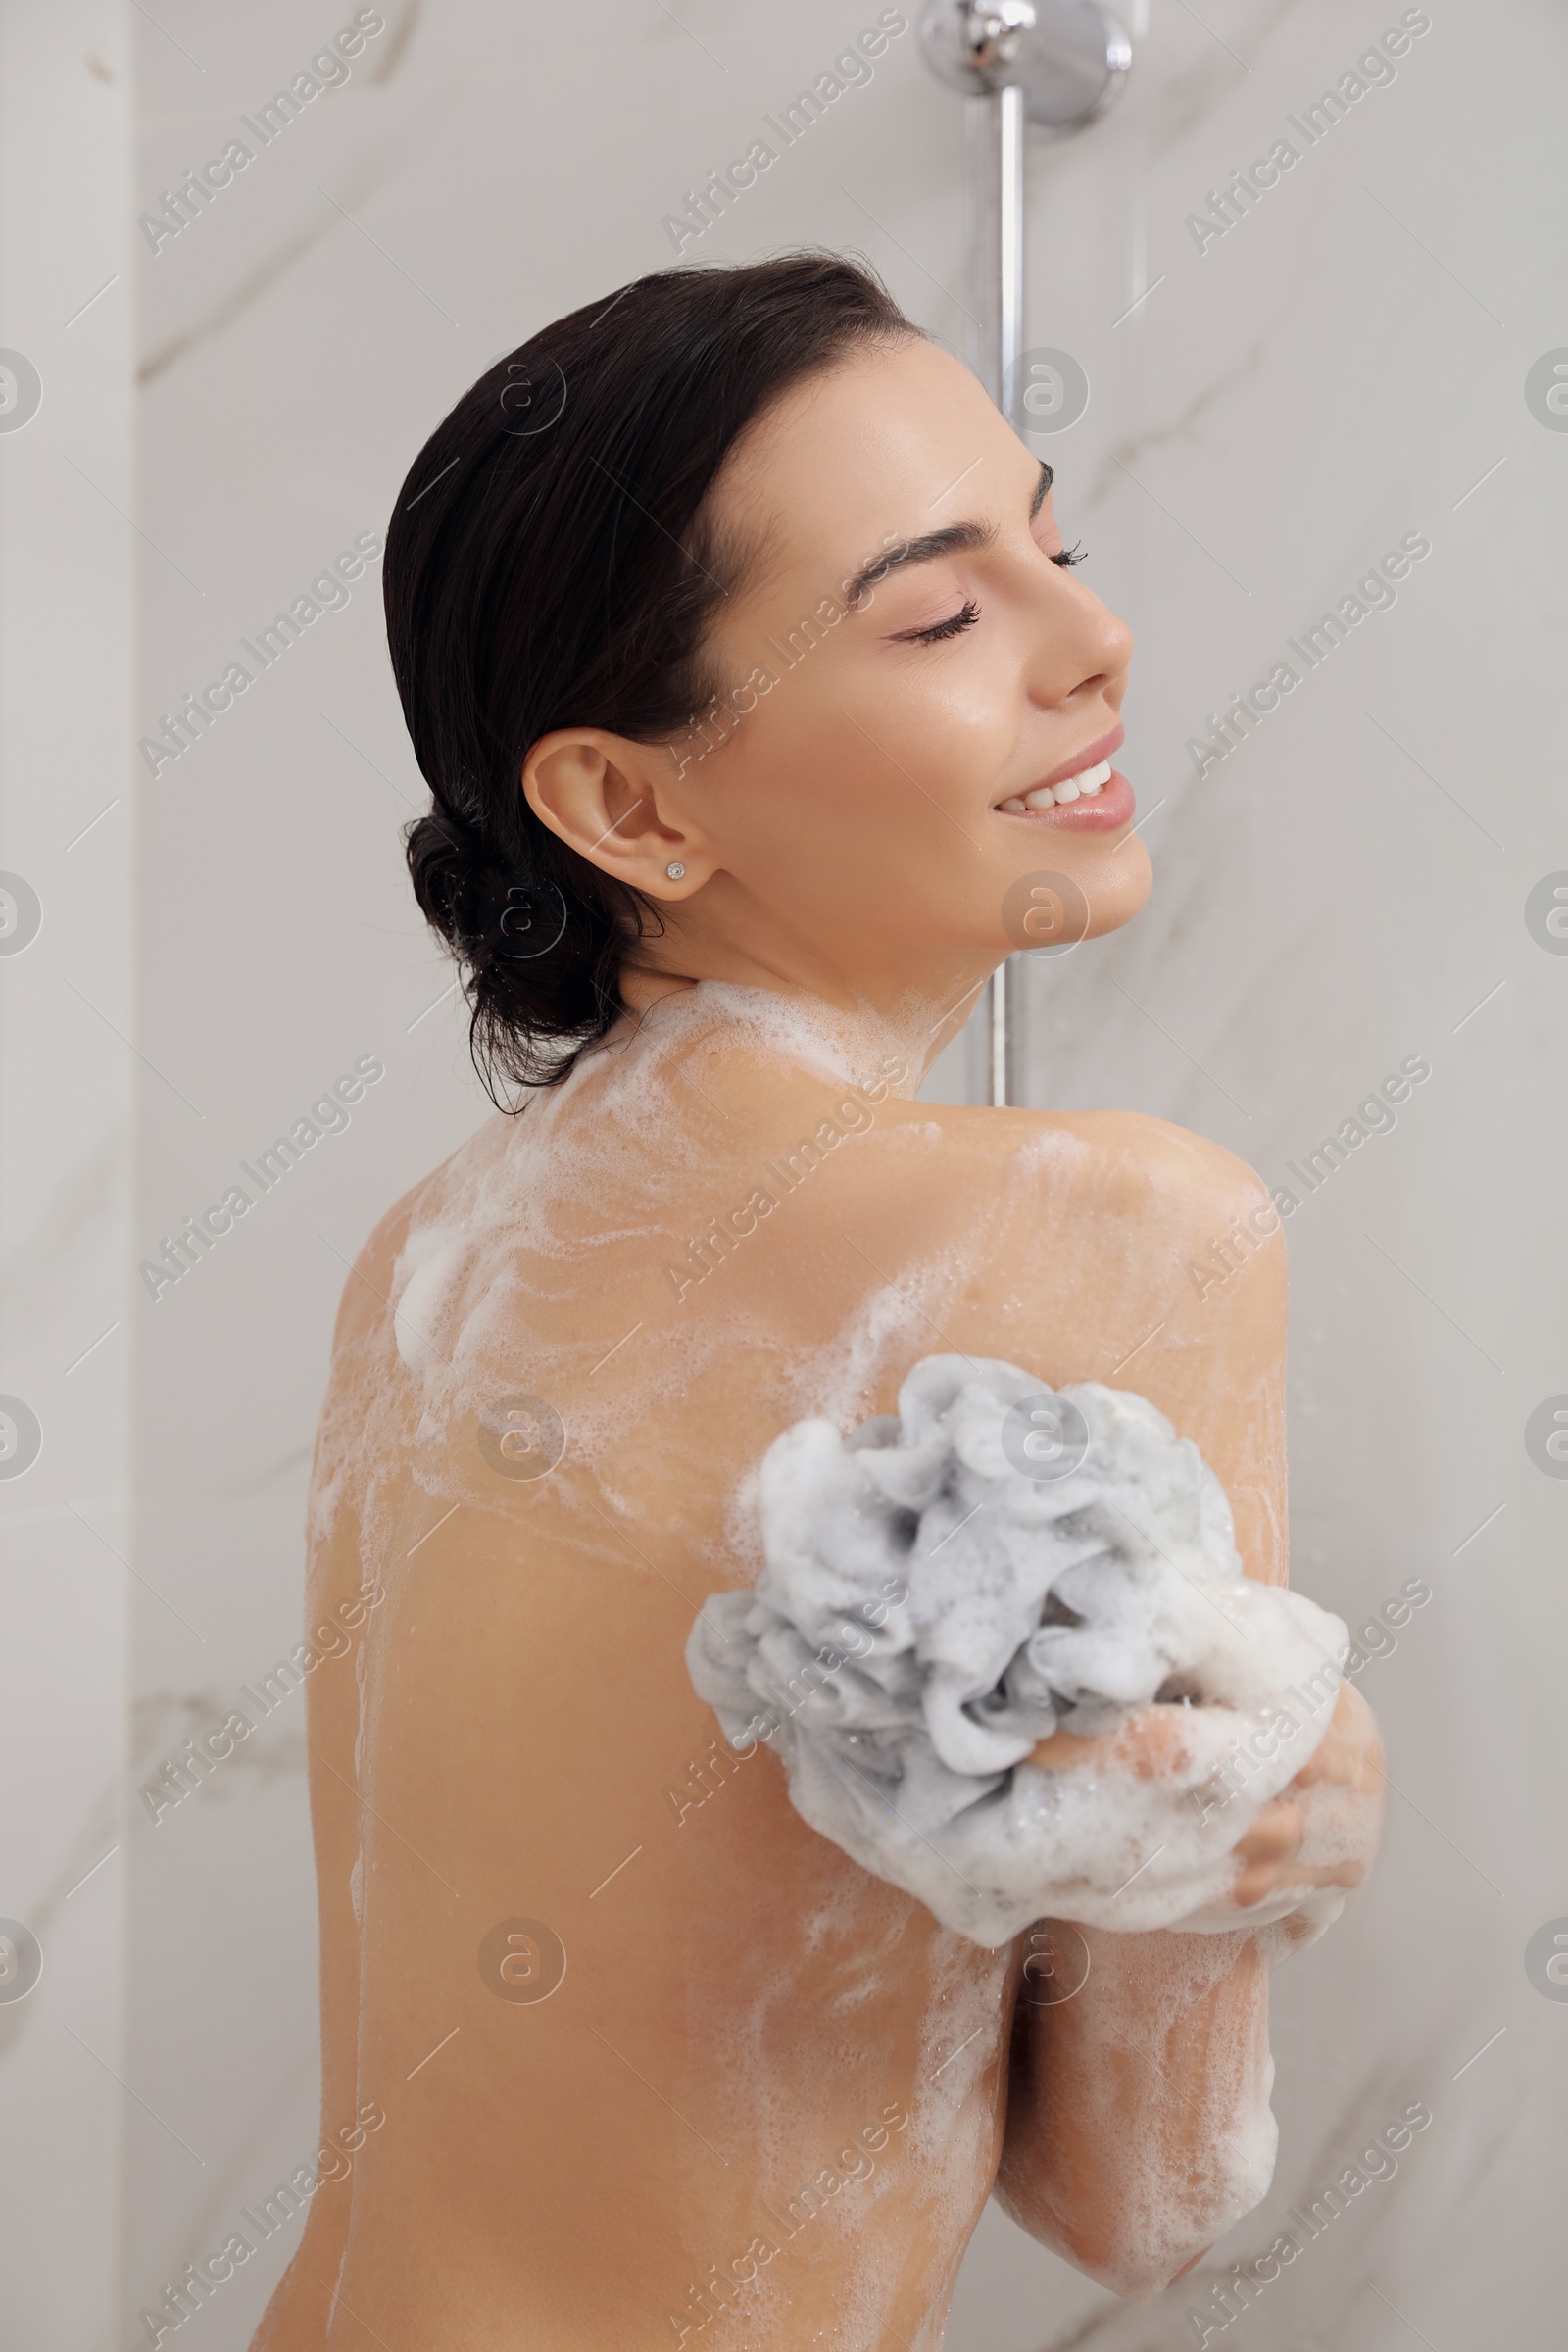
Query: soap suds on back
[{"x": 529, "y": 1262}]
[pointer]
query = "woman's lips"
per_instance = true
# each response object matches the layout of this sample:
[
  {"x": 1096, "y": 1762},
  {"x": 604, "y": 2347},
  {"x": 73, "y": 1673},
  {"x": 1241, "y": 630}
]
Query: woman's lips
[{"x": 1109, "y": 809}]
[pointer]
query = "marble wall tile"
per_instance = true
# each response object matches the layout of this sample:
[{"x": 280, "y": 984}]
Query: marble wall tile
[{"x": 68, "y": 1070}]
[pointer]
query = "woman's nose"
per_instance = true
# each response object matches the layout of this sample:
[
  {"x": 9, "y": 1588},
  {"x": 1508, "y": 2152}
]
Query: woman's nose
[{"x": 1083, "y": 648}]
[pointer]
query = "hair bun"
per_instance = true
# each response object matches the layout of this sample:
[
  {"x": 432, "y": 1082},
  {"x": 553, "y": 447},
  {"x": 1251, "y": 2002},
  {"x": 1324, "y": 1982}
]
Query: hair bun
[
  {"x": 485, "y": 906},
  {"x": 447, "y": 862},
  {"x": 539, "y": 956}
]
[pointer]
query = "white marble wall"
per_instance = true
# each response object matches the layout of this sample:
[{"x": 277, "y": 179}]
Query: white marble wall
[
  {"x": 1345, "y": 889},
  {"x": 68, "y": 1086}
]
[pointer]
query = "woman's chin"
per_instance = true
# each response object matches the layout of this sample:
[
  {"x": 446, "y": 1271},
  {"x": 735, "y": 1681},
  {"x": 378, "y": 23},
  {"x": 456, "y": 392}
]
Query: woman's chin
[{"x": 1121, "y": 888}]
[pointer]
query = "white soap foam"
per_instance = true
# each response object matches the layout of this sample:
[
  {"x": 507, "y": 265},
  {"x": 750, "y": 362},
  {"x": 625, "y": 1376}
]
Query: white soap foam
[
  {"x": 594, "y": 1169},
  {"x": 422, "y": 1280},
  {"x": 931, "y": 1609}
]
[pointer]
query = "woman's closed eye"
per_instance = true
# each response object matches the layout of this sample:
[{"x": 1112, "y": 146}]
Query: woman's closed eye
[
  {"x": 970, "y": 612},
  {"x": 964, "y": 618}
]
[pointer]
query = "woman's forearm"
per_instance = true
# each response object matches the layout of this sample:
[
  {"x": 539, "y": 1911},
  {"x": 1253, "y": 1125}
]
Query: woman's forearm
[{"x": 1139, "y": 2128}]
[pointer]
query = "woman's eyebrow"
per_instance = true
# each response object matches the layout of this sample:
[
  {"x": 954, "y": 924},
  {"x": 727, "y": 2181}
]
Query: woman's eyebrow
[{"x": 959, "y": 538}]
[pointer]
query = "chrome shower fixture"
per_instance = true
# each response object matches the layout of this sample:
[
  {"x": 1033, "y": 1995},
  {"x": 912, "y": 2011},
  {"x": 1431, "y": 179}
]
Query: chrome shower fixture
[
  {"x": 1058, "y": 64},
  {"x": 1070, "y": 57}
]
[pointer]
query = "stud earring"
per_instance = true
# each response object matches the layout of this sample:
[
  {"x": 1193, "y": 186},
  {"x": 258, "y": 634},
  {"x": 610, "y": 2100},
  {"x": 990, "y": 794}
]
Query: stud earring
[{"x": 675, "y": 871}]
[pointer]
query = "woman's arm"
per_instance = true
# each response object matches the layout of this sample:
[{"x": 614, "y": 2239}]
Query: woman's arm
[{"x": 1139, "y": 2128}]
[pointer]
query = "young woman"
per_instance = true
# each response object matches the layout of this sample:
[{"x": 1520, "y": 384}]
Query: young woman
[{"x": 764, "y": 711}]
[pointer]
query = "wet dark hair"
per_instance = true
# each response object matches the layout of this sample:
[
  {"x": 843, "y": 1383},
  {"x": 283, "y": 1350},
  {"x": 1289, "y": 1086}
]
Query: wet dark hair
[{"x": 550, "y": 564}]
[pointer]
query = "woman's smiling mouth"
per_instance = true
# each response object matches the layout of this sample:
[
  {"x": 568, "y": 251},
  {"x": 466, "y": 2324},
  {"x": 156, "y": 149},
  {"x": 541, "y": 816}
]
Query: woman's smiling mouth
[{"x": 1089, "y": 796}]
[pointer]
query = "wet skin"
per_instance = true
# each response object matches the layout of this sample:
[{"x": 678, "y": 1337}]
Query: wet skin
[{"x": 745, "y": 2015}]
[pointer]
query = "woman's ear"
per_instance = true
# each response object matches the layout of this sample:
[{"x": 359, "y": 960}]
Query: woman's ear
[{"x": 613, "y": 801}]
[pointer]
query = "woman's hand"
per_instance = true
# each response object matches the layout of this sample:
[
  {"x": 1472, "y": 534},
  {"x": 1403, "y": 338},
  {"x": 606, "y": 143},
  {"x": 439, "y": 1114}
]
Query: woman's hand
[{"x": 1321, "y": 1830}]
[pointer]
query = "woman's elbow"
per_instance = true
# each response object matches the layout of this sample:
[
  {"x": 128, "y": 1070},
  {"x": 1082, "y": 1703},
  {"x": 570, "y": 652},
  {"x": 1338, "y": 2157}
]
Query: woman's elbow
[
  {"x": 1154, "y": 2231},
  {"x": 1143, "y": 2262},
  {"x": 1135, "y": 2265}
]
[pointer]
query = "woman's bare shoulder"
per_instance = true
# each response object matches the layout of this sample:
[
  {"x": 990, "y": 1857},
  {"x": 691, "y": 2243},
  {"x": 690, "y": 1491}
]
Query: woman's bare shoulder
[
  {"x": 1134, "y": 1163},
  {"x": 366, "y": 1300},
  {"x": 1099, "y": 1245},
  {"x": 1081, "y": 1242}
]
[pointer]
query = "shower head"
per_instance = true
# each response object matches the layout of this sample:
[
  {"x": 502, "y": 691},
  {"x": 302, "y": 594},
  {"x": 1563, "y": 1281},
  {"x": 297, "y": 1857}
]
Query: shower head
[{"x": 1069, "y": 57}]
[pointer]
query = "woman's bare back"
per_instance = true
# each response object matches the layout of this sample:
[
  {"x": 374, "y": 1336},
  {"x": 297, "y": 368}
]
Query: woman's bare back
[{"x": 654, "y": 2059}]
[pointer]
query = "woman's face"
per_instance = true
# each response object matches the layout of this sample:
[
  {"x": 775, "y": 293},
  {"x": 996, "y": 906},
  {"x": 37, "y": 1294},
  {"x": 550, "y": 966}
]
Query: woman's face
[{"x": 851, "y": 813}]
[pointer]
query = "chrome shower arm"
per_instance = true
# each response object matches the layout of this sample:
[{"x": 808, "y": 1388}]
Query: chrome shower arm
[{"x": 1058, "y": 64}]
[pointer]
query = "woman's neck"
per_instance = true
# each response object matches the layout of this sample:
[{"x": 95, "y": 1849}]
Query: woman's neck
[{"x": 798, "y": 1022}]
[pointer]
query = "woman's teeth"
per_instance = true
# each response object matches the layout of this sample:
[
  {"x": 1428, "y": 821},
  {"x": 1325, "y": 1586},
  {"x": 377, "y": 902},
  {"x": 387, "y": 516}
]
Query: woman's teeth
[{"x": 1083, "y": 785}]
